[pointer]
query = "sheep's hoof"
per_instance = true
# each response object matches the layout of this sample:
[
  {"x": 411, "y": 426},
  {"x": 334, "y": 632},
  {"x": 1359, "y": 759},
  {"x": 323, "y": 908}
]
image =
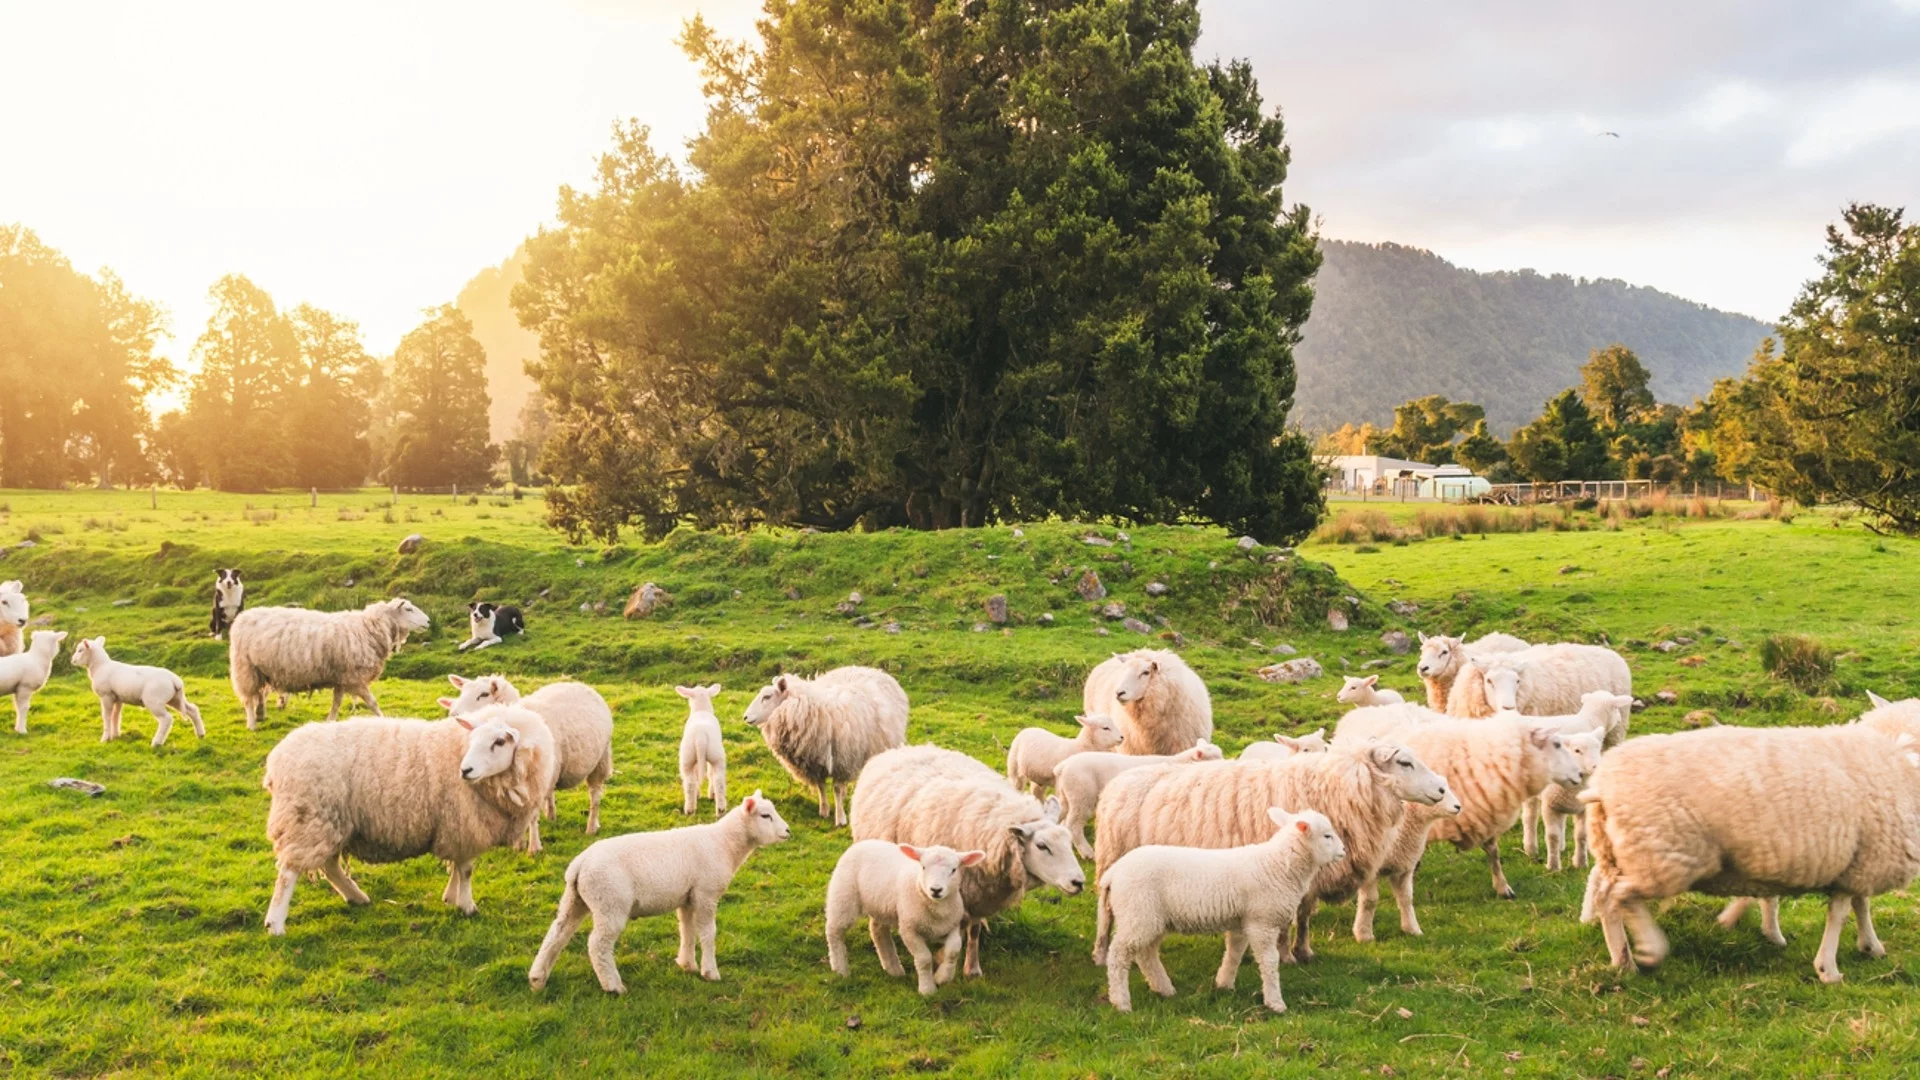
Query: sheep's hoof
[
  {"x": 1123, "y": 1006},
  {"x": 1875, "y": 950},
  {"x": 276, "y": 929},
  {"x": 616, "y": 988},
  {"x": 1828, "y": 975},
  {"x": 711, "y": 976},
  {"x": 1277, "y": 1005},
  {"x": 685, "y": 965},
  {"x": 537, "y": 982},
  {"x": 1506, "y": 893}
]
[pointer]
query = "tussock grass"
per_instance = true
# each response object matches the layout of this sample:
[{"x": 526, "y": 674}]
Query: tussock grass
[{"x": 1797, "y": 659}]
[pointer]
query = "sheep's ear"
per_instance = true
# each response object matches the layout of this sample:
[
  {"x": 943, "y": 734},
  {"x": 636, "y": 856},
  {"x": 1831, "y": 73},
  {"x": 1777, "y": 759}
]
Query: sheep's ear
[
  {"x": 1381, "y": 755},
  {"x": 713, "y": 689},
  {"x": 1317, "y": 733},
  {"x": 910, "y": 852},
  {"x": 1540, "y": 736},
  {"x": 1289, "y": 743},
  {"x": 684, "y": 691},
  {"x": 747, "y": 807},
  {"x": 1423, "y": 637},
  {"x": 1022, "y": 833},
  {"x": 1051, "y": 808},
  {"x": 780, "y": 685},
  {"x": 493, "y": 684},
  {"x": 457, "y": 681},
  {"x": 1877, "y": 701},
  {"x": 1371, "y": 680},
  {"x": 1623, "y": 701},
  {"x": 1154, "y": 666},
  {"x": 1278, "y": 816},
  {"x": 1301, "y": 824},
  {"x": 1085, "y": 721},
  {"x": 446, "y": 703},
  {"x": 463, "y": 722},
  {"x": 972, "y": 858}
]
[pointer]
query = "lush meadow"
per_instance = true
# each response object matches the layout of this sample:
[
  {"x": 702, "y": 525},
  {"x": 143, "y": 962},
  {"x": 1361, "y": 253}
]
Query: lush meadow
[{"x": 132, "y": 944}]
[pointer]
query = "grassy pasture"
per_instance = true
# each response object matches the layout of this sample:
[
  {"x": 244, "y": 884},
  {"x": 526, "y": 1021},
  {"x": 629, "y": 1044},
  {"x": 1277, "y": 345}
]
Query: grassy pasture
[{"x": 131, "y": 942}]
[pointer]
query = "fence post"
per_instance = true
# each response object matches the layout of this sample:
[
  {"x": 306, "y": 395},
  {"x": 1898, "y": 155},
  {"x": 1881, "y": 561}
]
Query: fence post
[
  {"x": 395, "y": 499},
  {"x": 313, "y": 497},
  {"x": 456, "y": 493},
  {"x": 153, "y": 497}
]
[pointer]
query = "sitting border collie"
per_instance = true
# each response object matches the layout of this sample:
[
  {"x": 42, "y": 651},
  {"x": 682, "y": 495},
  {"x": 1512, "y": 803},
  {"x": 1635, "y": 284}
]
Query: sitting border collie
[
  {"x": 489, "y": 623},
  {"x": 229, "y": 596}
]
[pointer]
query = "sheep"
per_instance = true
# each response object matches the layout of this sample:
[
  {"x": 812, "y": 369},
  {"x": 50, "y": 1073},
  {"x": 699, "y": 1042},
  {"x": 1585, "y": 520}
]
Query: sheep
[
  {"x": 229, "y": 598},
  {"x": 1285, "y": 746},
  {"x": 684, "y": 870},
  {"x": 23, "y": 674},
  {"x": 1441, "y": 658},
  {"x": 581, "y": 725},
  {"x": 824, "y": 729},
  {"x": 1366, "y": 691},
  {"x": 1251, "y": 893},
  {"x": 13, "y": 616},
  {"x": 1362, "y": 789},
  {"x": 1372, "y": 721},
  {"x": 1036, "y": 752},
  {"x": 1603, "y": 714},
  {"x": 1081, "y": 778},
  {"x": 925, "y": 795},
  {"x": 386, "y": 789},
  {"x": 1162, "y": 705},
  {"x": 290, "y": 650},
  {"x": 1551, "y": 680},
  {"x": 702, "y": 750},
  {"x": 1742, "y": 812},
  {"x": 488, "y": 624},
  {"x": 116, "y": 684},
  {"x": 899, "y": 886}
]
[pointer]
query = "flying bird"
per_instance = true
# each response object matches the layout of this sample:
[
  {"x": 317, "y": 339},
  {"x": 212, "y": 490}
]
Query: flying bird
[{"x": 1608, "y": 134}]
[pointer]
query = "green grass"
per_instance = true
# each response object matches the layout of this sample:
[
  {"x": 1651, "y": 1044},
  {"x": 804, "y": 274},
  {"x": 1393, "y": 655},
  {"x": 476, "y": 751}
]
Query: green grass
[{"x": 131, "y": 940}]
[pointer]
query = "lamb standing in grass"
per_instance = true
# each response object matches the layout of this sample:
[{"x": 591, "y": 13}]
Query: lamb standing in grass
[
  {"x": 683, "y": 870},
  {"x": 1081, "y": 778},
  {"x": 385, "y": 790},
  {"x": 1162, "y": 706},
  {"x": 1251, "y": 893},
  {"x": 13, "y": 617},
  {"x": 117, "y": 685},
  {"x": 291, "y": 650},
  {"x": 899, "y": 886},
  {"x": 824, "y": 729},
  {"x": 1604, "y": 715},
  {"x": 1036, "y": 752},
  {"x": 1285, "y": 746},
  {"x": 1366, "y": 691},
  {"x": 1551, "y": 680},
  {"x": 1442, "y": 657},
  {"x": 702, "y": 750},
  {"x": 579, "y": 720},
  {"x": 23, "y": 674}
]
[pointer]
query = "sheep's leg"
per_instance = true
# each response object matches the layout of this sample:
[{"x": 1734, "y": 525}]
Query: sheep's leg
[
  {"x": 949, "y": 956},
  {"x": 255, "y": 707},
  {"x": 1770, "y": 920},
  {"x": 573, "y": 912},
  {"x": 974, "y": 928},
  {"x": 595, "y": 789},
  {"x": 839, "y": 811},
  {"x": 687, "y": 960},
  {"x": 163, "y": 723},
  {"x": 1529, "y": 821},
  {"x": 717, "y": 787},
  {"x": 459, "y": 891},
  {"x": 282, "y": 900},
  {"x": 20, "y": 699},
  {"x": 1556, "y": 838},
  {"x": 1500, "y": 887},
  {"x": 837, "y": 928},
  {"x": 1102, "y": 923},
  {"x": 1649, "y": 941},
  {"x": 1155, "y": 971},
  {"x": 1868, "y": 941},
  {"x": 1266, "y": 953},
  {"x": 1826, "y": 962},
  {"x": 1119, "y": 974},
  {"x": 1230, "y": 961},
  {"x": 882, "y": 934},
  {"x": 343, "y": 882},
  {"x": 533, "y": 835},
  {"x": 922, "y": 961},
  {"x": 600, "y": 943},
  {"x": 192, "y": 713},
  {"x": 689, "y": 790},
  {"x": 1402, "y": 885},
  {"x": 704, "y": 916},
  {"x": 333, "y": 713},
  {"x": 824, "y": 808},
  {"x": 1365, "y": 901},
  {"x": 1580, "y": 849},
  {"x": 106, "y": 720},
  {"x": 1303, "y": 930},
  {"x": 1615, "y": 929},
  {"x": 365, "y": 694},
  {"x": 1078, "y": 825},
  {"x": 119, "y": 715},
  {"x": 550, "y": 806}
]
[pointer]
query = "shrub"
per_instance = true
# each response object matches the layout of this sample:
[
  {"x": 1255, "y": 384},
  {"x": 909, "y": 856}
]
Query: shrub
[{"x": 1798, "y": 660}]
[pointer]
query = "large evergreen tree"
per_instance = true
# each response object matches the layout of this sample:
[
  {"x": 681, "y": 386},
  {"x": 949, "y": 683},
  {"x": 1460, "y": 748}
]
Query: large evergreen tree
[
  {"x": 249, "y": 361},
  {"x": 328, "y": 408},
  {"x": 1563, "y": 444},
  {"x": 439, "y": 401}
]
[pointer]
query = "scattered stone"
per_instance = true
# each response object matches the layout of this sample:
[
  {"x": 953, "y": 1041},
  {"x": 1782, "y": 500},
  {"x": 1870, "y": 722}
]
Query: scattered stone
[
  {"x": 412, "y": 544},
  {"x": 1719, "y": 641},
  {"x": 1406, "y": 609},
  {"x": 1638, "y": 705},
  {"x": 579, "y": 562},
  {"x": 1045, "y": 619},
  {"x": 997, "y": 609},
  {"x": 1683, "y": 640},
  {"x": 1114, "y": 610},
  {"x": 1345, "y": 663},
  {"x": 1274, "y": 557},
  {"x": 1666, "y": 697},
  {"x": 892, "y": 628},
  {"x": 1700, "y": 718},
  {"x": 1018, "y": 534},
  {"x": 1090, "y": 588},
  {"x": 1353, "y": 600},
  {"x": 25, "y": 544},
  {"x": 1283, "y": 649},
  {"x": 1665, "y": 646},
  {"x": 1397, "y": 642},
  {"x": 1371, "y": 664},
  {"x": 585, "y": 608},
  {"x": 1691, "y": 661},
  {"x": 1101, "y": 630},
  {"x": 737, "y": 594},
  {"x": 1096, "y": 541},
  {"x": 1136, "y": 626},
  {"x": 979, "y": 628},
  {"x": 1569, "y": 569},
  {"x": 1156, "y": 588},
  {"x": 646, "y": 600},
  {"x": 1213, "y": 564},
  {"x": 853, "y": 1022},
  {"x": 1161, "y": 622},
  {"x": 42, "y": 620},
  {"x": 809, "y": 531},
  {"x": 1179, "y": 639},
  {"x": 1292, "y": 671},
  {"x": 599, "y": 607},
  {"x": 1337, "y": 619},
  {"x": 1246, "y": 543},
  {"x": 793, "y": 592},
  {"x": 855, "y": 598},
  {"x": 349, "y": 584},
  {"x": 123, "y": 603},
  {"x": 1122, "y": 538},
  {"x": 84, "y": 787}
]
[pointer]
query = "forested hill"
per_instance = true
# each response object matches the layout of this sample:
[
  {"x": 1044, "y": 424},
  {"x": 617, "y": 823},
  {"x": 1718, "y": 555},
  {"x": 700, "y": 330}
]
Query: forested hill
[{"x": 1392, "y": 323}]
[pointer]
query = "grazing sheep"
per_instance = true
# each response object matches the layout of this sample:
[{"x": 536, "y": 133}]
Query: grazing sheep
[
  {"x": 23, "y": 674},
  {"x": 1081, "y": 778},
  {"x": 702, "y": 750},
  {"x": 117, "y": 684},
  {"x": 1375, "y": 721},
  {"x": 1250, "y": 893},
  {"x": 488, "y": 624},
  {"x": 290, "y": 650},
  {"x": 923, "y": 795},
  {"x": 580, "y": 722},
  {"x": 1363, "y": 790},
  {"x": 1036, "y": 752},
  {"x": 13, "y": 616},
  {"x": 1551, "y": 680},
  {"x": 1743, "y": 812},
  {"x": 385, "y": 790},
  {"x": 684, "y": 870},
  {"x": 1366, "y": 691},
  {"x": 1285, "y": 746},
  {"x": 229, "y": 597},
  {"x": 1441, "y": 658},
  {"x": 1162, "y": 705},
  {"x": 899, "y": 886},
  {"x": 824, "y": 729}
]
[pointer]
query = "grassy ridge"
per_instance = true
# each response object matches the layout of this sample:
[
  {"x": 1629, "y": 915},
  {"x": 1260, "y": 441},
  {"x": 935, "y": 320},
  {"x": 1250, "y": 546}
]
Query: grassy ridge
[{"x": 132, "y": 943}]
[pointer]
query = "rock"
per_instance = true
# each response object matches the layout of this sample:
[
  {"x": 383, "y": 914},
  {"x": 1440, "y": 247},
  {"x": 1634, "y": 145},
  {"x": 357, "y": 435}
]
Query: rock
[
  {"x": 1665, "y": 646},
  {"x": 1096, "y": 541},
  {"x": 737, "y": 594},
  {"x": 1292, "y": 671},
  {"x": 1246, "y": 543},
  {"x": 997, "y": 609},
  {"x": 793, "y": 592},
  {"x": 1569, "y": 569},
  {"x": 1157, "y": 588},
  {"x": 1397, "y": 642},
  {"x": 1019, "y": 534},
  {"x": 412, "y": 544},
  {"x": 1213, "y": 564},
  {"x": 1090, "y": 588},
  {"x": 1136, "y": 626},
  {"x": 855, "y": 598},
  {"x": 123, "y": 603},
  {"x": 579, "y": 562},
  {"x": 84, "y": 787},
  {"x": 979, "y": 628},
  {"x": 646, "y": 600},
  {"x": 1114, "y": 610},
  {"x": 1179, "y": 639},
  {"x": 1161, "y": 622},
  {"x": 1700, "y": 718},
  {"x": 25, "y": 544},
  {"x": 1683, "y": 641},
  {"x": 1352, "y": 601},
  {"x": 585, "y": 608},
  {"x": 1666, "y": 697},
  {"x": 892, "y": 628},
  {"x": 42, "y": 620},
  {"x": 1101, "y": 630},
  {"x": 1337, "y": 619},
  {"x": 1691, "y": 661},
  {"x": 844, "y": 607},
  {"x": 1045, "y": 619},
  {"x": 1371, "y": 664},
  {"x": 1283, "y": 649},
  {"x": 599, "y": 607},
  {"x": 1406, "y": 609}
]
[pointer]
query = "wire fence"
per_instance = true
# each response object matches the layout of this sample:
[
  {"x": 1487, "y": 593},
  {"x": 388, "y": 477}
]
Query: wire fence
[{"x": 1476, "y": 490}]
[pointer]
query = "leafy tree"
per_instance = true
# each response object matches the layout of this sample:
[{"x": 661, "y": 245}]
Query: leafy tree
[
  {"x": 1563, "y": 444},
  {"x": 1480, "y": 451},
  {"x": 328, "y": 411},
  {"x": 529, "y": 440},
  {"x": 1614, "y": 385},
  {"x": 1347, "y": 439},
  {"x": 1424, "y": 429},
  {"x": 249, "y": 361},
  {"x": 440, "y": 405},
  {"x": 939, "y": 264}
]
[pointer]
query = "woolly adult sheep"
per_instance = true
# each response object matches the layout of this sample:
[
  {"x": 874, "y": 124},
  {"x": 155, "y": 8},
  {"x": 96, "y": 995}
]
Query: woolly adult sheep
[
  {"x": 291, "y": 650},
  {"x": 23, "y": 674},
  {"x": 1285, "y": 746},
  {"x": 1161, "y": 704},
  {"x": 385, "y": 790},
  {"x": 1732, "y": 811},
  {"x": 1358, "y": 690},
  {"x": 924, "y": 795},
  {"x": 581, "y": 724},
  {"x": 1362, "y": 790},
  {"x": 117, "y": 685},
  {"x": 1080, "y": 779},
  {"x": 1551, "y": 680},
  {"x": 824, "y": 729},
  {"x": 1036, "y": 752},
  {"x": 1441, "y": 658},
  {"x": 13, "y": 616}
]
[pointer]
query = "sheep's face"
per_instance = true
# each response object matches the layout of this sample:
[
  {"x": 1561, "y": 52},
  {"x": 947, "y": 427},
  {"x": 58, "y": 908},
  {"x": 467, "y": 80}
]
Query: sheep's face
[
  {"x": 13, "y": 604},
  {"x": 478, "y": 694},
  {"x": 1135, "y": 678},
  {"x": 406, "y": 616},
  {"x": 1585, "y": 749},
  {"x": 764, "y": 823},
  {"x": 1046, "y": 847},
  {"x": 1356, "y": 690},
  {"x": 1313, "y": 828},
  {"x": 1101, "y": 731},
  {"x": 939, "y": 867},
  {"x": 699, "y": 698},
  {"x": 490, "y": 748},
  {"x": 1201, "y": 750},
  {"x": 1605, "y": 706},
  {"x": 47, "y": 642},
  {"x": 768, "y": 699},
  {"x": 1503, "y": 685},
  {"x": 1314, "y": 743},
  {"x": 1409, "y": 778},
  {"x": 1562, "y": 767},
  {"x": 1439, "y": 656},
  {"x": 89, "y": 652}
]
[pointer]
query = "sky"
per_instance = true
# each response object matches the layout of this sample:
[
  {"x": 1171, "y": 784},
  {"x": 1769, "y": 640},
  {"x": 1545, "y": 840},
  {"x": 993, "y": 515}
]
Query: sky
[{"x": 371, "y": 157}]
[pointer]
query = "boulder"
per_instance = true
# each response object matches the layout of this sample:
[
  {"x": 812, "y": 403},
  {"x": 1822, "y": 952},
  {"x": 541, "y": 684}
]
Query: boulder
[{"x": 1292, "y": 671}]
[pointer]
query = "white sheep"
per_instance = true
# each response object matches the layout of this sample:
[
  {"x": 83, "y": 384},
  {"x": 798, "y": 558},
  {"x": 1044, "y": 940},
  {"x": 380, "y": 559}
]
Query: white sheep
[
  {"x": 684, "y": 871},
  {"x": 1035, "y": 752},
  {"x": 1366, "y": 691},
  {"x": 1250, "y": 893},
  {"x": 1162, "y": 706},
  {"x": 1285, "y": 746},
  {"x": 923, "y": 795},
  {"x": 1603, "y": 714},
  {"x": 702, "y": 750},
  {"x": 385, "y": 790},
  {"x": 1552, "y": 680},
  {"x": 905, "y": 888},
  {"x": 117, "y": 685},
  {"x": 13, "y": 616},
  {"x": 824, "y": 729},
  {"x": 1742, "y": 812},
  {"x": 23, "y": 674},
  {"x": 292, "y": 650},
  {"x": 1442, "y": 657},
  {"x": 580, "y": 722},
  {"x": 1081, "y": 778}
]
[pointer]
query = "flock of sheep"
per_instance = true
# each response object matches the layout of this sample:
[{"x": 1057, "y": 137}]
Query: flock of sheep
[{"x": 1186, "y": 840}]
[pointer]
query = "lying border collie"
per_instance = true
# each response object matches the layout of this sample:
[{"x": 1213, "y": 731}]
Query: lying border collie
[
  {"x": 489, "y": 623},
  {"x": 229, "y": 596}
]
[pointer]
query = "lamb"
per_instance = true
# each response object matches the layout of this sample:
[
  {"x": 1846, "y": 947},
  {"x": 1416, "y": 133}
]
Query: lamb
[
  {"x": 1441, "y": 658},
  {"x": 1081, "y": 778},
  {"x": 1036, "y": 752},
  {"x": 1285, "y": 746},
  {"x": 488, "y": 624},
  {"x": 1551, "y": 680},
  {"x": 899, "y": 886},
  {"x": 1363, "y": 790},
  {"x": 1366, "y": 691},
  {"x": 923, "y": 795},
  {"x": 1603, "y": 714},
  {"x": 578, "y": 719},
  {"x": 1162, "y": 705},
  {"x": 23, "y": 674},
  {"x": 1733, "y": 811},
  {"x": 13, "y": 616},
  {"x": 702, "y": 750},
  {"x": 116, "y": 684},
  {"x": 385, "y": 790},
  {"x": 1252, "y": 893},
  {"x": 824, "y": 729},
  {"x": 229, "y": 597},
  {"x": 290, "y": 650},
  {"x": 684, "y": 870}
]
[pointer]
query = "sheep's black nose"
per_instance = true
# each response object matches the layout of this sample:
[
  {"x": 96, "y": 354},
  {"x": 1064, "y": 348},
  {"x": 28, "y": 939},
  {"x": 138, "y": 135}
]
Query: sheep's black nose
[
  {"x": 466, "y": 770},
  {"x": 938, "y": 893}
]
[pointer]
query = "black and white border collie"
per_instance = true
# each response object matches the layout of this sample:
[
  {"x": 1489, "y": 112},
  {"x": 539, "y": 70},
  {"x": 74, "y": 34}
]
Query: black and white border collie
[
  {"x": 229, "y": 596},
  {"x": 489, "y": 623}
]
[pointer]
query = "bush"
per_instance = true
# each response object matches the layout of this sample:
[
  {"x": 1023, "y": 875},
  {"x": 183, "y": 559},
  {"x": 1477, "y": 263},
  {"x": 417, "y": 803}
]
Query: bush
[{"x": 1798, "y": 660}]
